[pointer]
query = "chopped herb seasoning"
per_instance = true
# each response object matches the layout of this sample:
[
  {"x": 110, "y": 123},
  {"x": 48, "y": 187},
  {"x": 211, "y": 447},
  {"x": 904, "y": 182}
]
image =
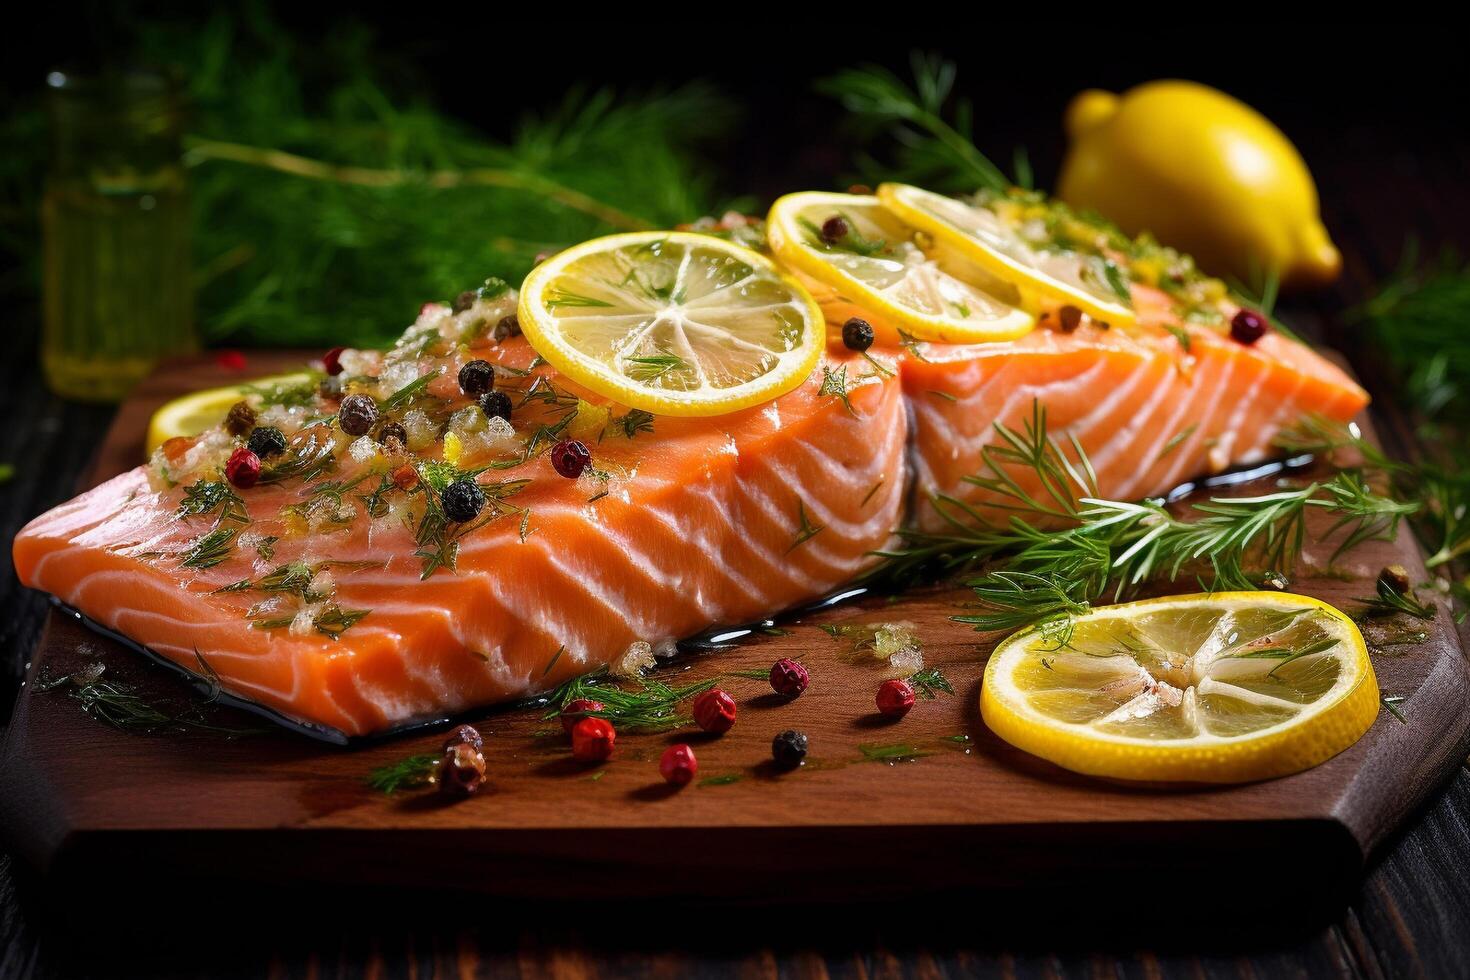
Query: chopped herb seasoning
[
  {"x": 410, "y": 773},
  {"x": 805, "y": 529},
  {"x": 835, "y": 383}
]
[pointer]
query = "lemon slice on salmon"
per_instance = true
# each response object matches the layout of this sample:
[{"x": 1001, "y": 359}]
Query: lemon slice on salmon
[
  {"x": 191, "y": 414},
  {"x": 865, "y": 262},
  {"x": 1045, "y": 277},
  {"x": 1222, "y": 688},
  {"x": 674, "y": 323}
]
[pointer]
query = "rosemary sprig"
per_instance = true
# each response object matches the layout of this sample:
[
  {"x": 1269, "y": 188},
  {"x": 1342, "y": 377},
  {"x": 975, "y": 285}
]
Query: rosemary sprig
[
  {"x": 1390, "y": 600},
  {"x": 1111, "y": 545}
]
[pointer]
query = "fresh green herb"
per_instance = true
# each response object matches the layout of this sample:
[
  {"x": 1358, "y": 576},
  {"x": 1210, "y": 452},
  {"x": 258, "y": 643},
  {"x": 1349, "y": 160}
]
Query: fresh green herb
[
  {"x": 943, "y": 394},
  {"x": 1390, "y": 600},
  {"x": 1176, "y": 440},
  {"x": 1181, "y": 335},
  {"x": 1392, "y": 702},
  {"x": 561, "y": 298},
  {"x": 805, "y": 529},
  {"x": 911, "y": 344},
  {"x": 934, "y": 148},
  {"x": 207, "y": 496},
  {"x": 300, "y": 393},
  {"x": 635, "y": 421},
  {"x": 1118, "y": 284},
  {"x": 852, "y": 242},
  {"x": 412, "y": 772},
  {"x": 930, "y": 682},
  {"x": 122, "y": 707},
  {"x": 900, "y": 752},
  {"x": 554, "y": 658},
  {"x": 654, "y": 366},
  {"x": 835, "y": 383},
  {"x": 332, "y": 621},
  {"x": 653, "y": 706},
  {"x": 309, "y": 456},
  {"x": 1118, "y": 545},
  {"x": 209, "y": 549},
  {"x": 414, "y": 389},
  {"x": 724, "y": 779}
]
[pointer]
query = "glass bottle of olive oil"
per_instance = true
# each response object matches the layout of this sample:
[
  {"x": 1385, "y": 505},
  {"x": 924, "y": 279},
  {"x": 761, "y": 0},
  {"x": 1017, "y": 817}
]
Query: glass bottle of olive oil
[{"x": 115, "y": 229}]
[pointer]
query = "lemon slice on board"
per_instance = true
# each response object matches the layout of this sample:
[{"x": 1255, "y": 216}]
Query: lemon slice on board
[
  {"x": 1043, "y": 276},
  {"x": 674, "y": 323},
  {"x": 191, "y": 414},
  {"x": 1222, "y": 688},
  {"x": 876, "y": 266}
]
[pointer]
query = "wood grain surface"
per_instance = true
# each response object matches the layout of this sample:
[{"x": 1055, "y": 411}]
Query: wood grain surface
[
  {"x": 959, "y": 809},
  {"x": 1407, "y": 917}
]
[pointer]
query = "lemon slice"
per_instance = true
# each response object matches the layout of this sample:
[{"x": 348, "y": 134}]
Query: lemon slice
[
  {"x": 1220, "y": 688},
  {"x": 193, "y": 413},
  {"x": 674, "y": 323},
  {"x": 1044, "y": 276},
  {"x": 877, "y": 269}
]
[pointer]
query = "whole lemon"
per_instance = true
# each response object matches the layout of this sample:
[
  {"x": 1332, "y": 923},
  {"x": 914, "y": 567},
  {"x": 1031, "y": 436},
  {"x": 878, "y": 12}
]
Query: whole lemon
[{"x": 1203, "y": 172}]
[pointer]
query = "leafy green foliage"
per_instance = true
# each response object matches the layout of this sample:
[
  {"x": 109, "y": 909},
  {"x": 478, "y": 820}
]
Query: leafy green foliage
[
  {"x": 933, "y": 147},
  {"x": 331, "y": 197}
]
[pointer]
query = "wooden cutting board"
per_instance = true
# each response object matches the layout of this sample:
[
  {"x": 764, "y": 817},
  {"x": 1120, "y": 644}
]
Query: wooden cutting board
[{"x": 81, "y": 799}]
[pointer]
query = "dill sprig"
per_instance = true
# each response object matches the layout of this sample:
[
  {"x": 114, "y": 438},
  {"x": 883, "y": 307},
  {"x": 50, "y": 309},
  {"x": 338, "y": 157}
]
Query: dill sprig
[
  {"x": 121, "y": 706},
  {"x": 934, "y": 147},
  {"x": 929, "y": 683},
  {"x": 207, "y": 496},
  {"x": 652, "y": 707},
  {"x": 411, "y": 772},
  {"x": 321, "y": 172}
]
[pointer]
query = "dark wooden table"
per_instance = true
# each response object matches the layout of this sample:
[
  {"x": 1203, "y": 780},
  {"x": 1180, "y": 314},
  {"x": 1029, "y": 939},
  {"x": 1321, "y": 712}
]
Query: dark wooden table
[{"x": 1411, "y": 916}]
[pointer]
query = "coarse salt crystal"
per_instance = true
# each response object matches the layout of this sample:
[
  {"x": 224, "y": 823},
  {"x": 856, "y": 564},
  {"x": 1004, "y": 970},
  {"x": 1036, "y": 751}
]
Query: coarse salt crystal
[
  {"x": 305, "y": 619},
  {"x": 362, "y": 449},
  {"x": 906, "y": 662},
  {"x": 634, "y": 660}
]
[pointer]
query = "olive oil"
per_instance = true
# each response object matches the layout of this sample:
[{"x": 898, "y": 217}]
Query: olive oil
[{"x": 115, "y": 224}]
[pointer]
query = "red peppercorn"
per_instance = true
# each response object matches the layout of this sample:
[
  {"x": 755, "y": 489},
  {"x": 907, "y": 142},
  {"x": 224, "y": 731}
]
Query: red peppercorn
[
  {"x": 788, "y": 677},
  {"x": 462, "y": 770},
  {"x": 569, "y": 457},
  {"x": 332, "y": 360},
  {"x": 243, "y": 468},
  {"x": 895, "y": 698},
  {"x": 1247, "y": 326},
  {"x": 405, "y": 477},
  {"x": 575, "y": 710},
  {"x": 592, "y": 739},
  {"x": 714, "y": 711},
  {"x": 231, "y": 360},
  {"x": 678, "y": 764}
]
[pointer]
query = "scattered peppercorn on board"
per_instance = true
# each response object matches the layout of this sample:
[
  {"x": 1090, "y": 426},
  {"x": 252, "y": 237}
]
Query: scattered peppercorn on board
[{"x": 930, "y": 800}]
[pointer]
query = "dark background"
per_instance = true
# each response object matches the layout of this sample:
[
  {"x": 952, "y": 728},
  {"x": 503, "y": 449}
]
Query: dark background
[{"x": 1380, "y": 114}]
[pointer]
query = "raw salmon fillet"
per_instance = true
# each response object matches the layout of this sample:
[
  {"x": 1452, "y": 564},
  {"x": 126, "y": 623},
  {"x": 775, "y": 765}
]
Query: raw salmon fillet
[{"x": 325, "y": 605}]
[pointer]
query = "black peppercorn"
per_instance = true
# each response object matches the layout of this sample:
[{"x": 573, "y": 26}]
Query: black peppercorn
[
  {"x": 834, "y": 229},
  {"x": 267, "y": 441},
  {"x": 476, "y": 378},
  {"x": 509, "y": 326},
  {"x": 462, "y": 770},
  {"x": 857, "y": 334},
  {"x": 393, "y": 431},
  {"x": 357, "y": 414},
  {"x": 462, "y": 500},
  {"x": 789, "y": 749},
  {"x": 569, "y": 458},
  {"x": 1070, "y": 317},
  {"x": 463, "y": 301},
  {"x": 1247, "y": 326},
  {"x": 464, "y": 735},
  {"x": 495, "y": 405},
  {"x": 241, "y": 419}
]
